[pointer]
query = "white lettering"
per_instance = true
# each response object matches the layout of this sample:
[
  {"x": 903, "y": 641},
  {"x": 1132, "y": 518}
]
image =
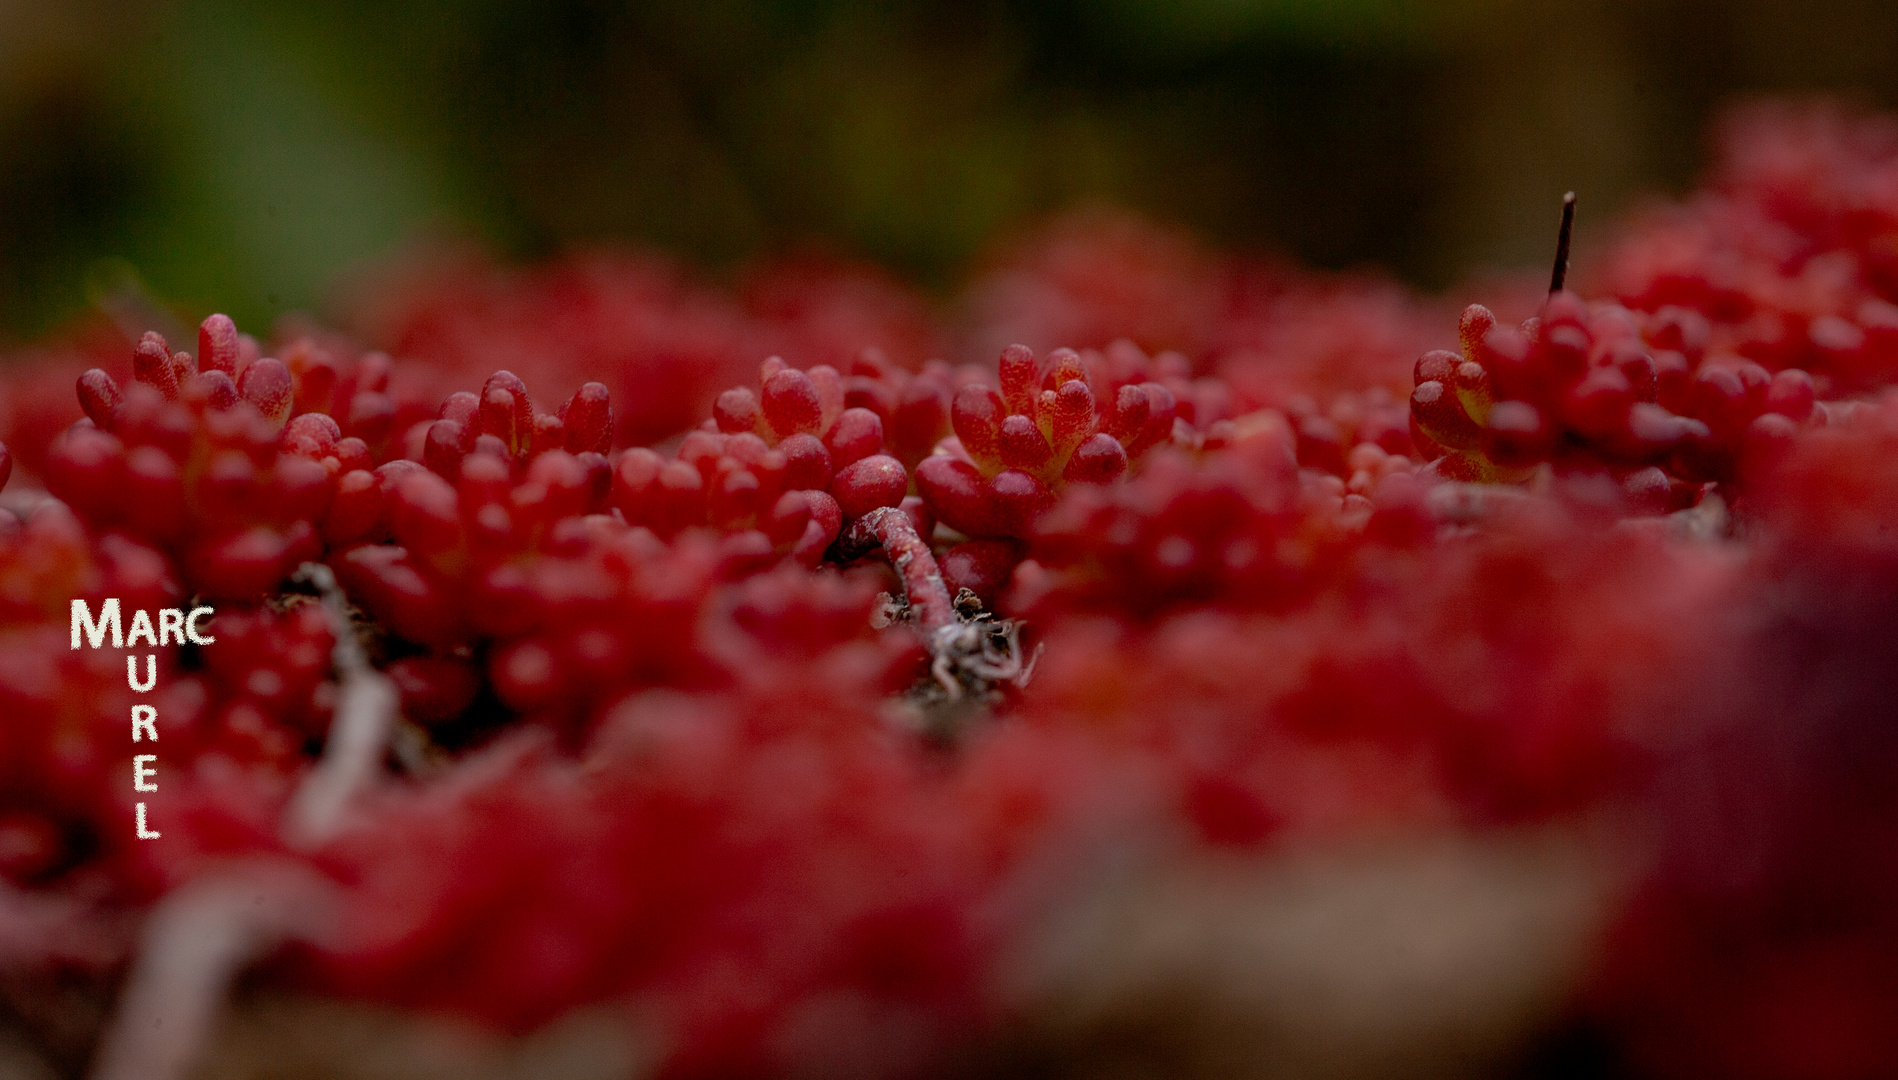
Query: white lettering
[
  {"x": 145, "y": 721},
  {"x": 171, "y": 626},
  {"x": 141, "y": 772},
  {"x": 143, "y": 833},
  {"x": 191, "y": 626},
  {"x": 142, "y": 628},
  {"x": 95, "y": 632},
  {"x": 151, "y": 671}
]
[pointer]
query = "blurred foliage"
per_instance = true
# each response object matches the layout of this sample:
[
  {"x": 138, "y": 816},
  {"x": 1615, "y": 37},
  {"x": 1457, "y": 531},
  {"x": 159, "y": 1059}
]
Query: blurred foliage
[{"x": 241, "y": 156}]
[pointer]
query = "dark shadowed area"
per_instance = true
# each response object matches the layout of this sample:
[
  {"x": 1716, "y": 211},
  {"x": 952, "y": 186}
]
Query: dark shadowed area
[{"x": 244, "y": 155}]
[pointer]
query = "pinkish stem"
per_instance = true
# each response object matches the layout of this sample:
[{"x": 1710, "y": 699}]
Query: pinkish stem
[
  {"x": 203, "y": 934},
  {"x": 192, "y": 947},
  {"x": 922, "y": 578},
  {"x": 367, "y": 705}
]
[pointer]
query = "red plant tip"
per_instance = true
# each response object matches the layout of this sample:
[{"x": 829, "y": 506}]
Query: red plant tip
[
  {"x": 977, "y": 416},
  {"x": 1718, "y": 396},
  {"x": 857, "y": 434},
  {"x": 526, "y": 674},
  {"x": 1638, "y": 368},
  {"x": 1070, "y": 410},
  {"x": 218, "y": 345},
  {"x": 980, "y": 566},
  {"x": 464, "y": 406},
  {"x": 920, "y": 515},
  {"x": 1064, "y": 366},
  {"x": 1516, "y": 434},
  {"x": 486, "y": 479},
  {"x": 878, "y": 394},
  {"x": 791, "y": 405},
  {"x": 355, "y": 510},
  {"x": 1769, "y": 436},
  {"x": 870, "y": 362},
  {"x": 425, "y": 514},
  {"x": 266, "y": 384},
  {"x": 1022, "y": 445},
  {"x": 588, "y": 416},
  {"x": 1435, "y": 408},
  {"x": 353, "y": 453},
  {"x": 1018, "y": 499},
  {"x": 151, "y": 365},
  {"x": 1098, "y": 460},
  {"x": 1560, "y": 276},
  {"x": 1647, "y": 489},
  {"x": 826, "y": 521},
  {"x": 862, "y": 486},
  {"x": 1791, "y": 395},
  {"x": 558, "y": 485},
  {"x": 214, "y": 388},
  {"x": 633, "y": 477},
  {"x": 522, "y": 428},
  {"x": 434, "y": 689},
  {"x": 788, "y": 519},
  {"x": 1020, "y": 379},
  {"x": 734, "y": 497},
  {"x": 1161, "y": 411},
  {"x": 1471, "y": 383},
  {"x": 923, "y": 584},
  {"x": 549, "y": 432},
  {"x": 807, "y": 465},
  {"x": 737, "y": 410},
  {"x": 1132, "y": 410},
  {"x": 371, "y": 417},
  {"x": 954, "y": 489},
  {"x": 922, "y": 415},
  {"x": 1435, "y": 366},
  {"x": 83, "y": 467},
  {"x": 442, "y": 450},
  {"x": 506, "y": 380},
  {"x": 183, "y": 367},
  {"x": 498, "y": 414},
  {"x": 1474, "y": 325},
  {"x": 100, "y": 398},
  {"x": 312, "y": 435},
  {"x": 1598, "y": 405},
  {"x": 830, "y": 395},
  {"x": 702, "y": 449}
]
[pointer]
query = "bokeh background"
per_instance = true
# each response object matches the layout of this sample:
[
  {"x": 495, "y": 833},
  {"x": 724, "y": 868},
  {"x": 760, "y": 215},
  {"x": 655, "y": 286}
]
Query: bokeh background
[{"x": 243, "y": 156}]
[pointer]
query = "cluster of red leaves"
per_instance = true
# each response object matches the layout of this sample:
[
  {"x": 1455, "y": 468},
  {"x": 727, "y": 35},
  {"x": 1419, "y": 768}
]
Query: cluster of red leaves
[
  {"x": 1791, "y": 253},
  {"x": 235, "y": 722},
  {"x": 1762, "y": 943},
  {"x": 662, "y": 343},
  {"x": 758, "y": 865},
  {"x": 671, "y": 755}
]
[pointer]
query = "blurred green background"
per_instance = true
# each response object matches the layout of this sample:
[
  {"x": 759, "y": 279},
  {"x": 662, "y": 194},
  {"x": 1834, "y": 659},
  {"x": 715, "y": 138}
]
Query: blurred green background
[{"x": 241, "y": 156}]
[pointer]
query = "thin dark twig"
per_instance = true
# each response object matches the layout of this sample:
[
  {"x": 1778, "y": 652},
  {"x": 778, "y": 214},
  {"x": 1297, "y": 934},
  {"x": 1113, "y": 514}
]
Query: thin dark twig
[{"x": 1560, "y": 277}]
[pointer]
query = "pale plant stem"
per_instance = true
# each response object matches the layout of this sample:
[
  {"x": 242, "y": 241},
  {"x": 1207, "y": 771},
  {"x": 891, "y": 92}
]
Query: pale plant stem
[
  {"x": 367, "y": 704},
  {"x": 190, "y": 949},
  {"x": 204, "y": 933}
]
